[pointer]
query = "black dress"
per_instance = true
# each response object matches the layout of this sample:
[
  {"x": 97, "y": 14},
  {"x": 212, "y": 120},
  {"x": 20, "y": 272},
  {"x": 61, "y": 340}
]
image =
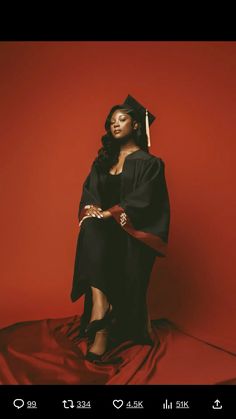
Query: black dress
[{"x": 100, "y": 260}]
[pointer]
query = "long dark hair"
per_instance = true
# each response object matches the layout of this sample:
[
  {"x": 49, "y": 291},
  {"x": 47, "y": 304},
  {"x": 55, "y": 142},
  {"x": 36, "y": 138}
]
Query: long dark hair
[{"x": 108, "y": 154}]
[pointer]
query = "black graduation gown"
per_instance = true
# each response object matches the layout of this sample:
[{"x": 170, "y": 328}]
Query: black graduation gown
[{"x": 117, "y": 254}]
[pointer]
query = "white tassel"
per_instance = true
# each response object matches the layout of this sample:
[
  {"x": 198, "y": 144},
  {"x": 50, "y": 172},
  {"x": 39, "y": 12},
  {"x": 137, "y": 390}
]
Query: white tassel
[{"x": 147, "y": 129}]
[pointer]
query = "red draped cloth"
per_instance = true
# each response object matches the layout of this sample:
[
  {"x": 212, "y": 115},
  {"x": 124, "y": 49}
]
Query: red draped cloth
[{"x": 48, "y": 352}]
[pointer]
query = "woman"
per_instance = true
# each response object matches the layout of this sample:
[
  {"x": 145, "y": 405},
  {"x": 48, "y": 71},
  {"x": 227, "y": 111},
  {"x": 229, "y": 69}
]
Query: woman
[{"x": 124, "y": 217}]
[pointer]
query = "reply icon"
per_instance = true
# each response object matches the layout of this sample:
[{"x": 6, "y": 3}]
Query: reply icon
[{"x": 18, "y": 403}]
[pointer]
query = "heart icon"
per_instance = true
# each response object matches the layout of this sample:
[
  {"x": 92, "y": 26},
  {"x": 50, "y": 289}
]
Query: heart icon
[{"x": 118, "y": 403}]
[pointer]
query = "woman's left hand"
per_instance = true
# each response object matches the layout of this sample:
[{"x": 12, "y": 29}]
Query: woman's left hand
[{"x": 93, "y": 211}]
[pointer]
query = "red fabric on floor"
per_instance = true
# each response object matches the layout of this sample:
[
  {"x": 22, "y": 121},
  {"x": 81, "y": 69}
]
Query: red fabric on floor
[{"x": 46, "y": 352}]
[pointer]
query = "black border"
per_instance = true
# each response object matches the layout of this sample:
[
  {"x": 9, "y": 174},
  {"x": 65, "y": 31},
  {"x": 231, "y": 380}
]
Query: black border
[{"x": 49, "y": 399}]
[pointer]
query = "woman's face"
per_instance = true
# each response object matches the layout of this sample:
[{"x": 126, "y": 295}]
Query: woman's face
[{"x": 122, "y": 125}]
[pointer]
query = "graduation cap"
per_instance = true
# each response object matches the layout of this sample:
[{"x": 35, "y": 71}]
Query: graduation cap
[{"x": 142, "y": 112}]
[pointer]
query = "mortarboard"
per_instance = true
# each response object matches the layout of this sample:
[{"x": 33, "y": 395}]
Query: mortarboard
[{"x": 143, "y": 113}]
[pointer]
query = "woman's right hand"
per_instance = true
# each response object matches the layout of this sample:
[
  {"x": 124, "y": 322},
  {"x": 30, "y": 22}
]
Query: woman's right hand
[{"x": 93, "y": 211}]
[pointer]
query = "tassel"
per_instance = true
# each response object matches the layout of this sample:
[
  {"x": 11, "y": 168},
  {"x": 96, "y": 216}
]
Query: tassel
[{"x": 147, "y": 129}]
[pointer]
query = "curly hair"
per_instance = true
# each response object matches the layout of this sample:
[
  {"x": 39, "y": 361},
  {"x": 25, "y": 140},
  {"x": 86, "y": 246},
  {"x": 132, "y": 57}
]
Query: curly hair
[{"x": 108, "y": 155}]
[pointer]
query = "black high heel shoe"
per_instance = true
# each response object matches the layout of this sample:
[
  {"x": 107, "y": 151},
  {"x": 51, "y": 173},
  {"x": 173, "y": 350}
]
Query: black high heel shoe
[
  {"x": 100, "y": 358},
  {"x": 93, "y": 327},
  {"x": 92, "y": 356}
]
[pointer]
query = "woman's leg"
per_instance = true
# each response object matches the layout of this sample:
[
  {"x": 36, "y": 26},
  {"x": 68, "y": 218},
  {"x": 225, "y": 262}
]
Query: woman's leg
[
  {"x": 100, "y": 306},
  {"x": 93, "y": 268}
]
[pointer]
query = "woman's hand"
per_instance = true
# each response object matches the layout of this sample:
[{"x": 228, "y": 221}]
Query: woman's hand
[{"x": 93, "y": 211}]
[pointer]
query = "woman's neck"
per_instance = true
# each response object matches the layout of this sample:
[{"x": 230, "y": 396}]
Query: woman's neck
[{"x": 128, "y": 148}]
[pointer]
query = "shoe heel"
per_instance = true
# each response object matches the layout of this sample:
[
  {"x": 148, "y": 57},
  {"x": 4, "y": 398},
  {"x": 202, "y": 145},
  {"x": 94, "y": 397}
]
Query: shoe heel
[
  {"x": 92, "y": 357},
  {"x": 95, "y": 325}
]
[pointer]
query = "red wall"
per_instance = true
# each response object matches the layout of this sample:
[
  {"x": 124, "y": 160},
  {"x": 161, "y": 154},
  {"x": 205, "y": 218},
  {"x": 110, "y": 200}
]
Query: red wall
[{"x": 54, "y": 100}]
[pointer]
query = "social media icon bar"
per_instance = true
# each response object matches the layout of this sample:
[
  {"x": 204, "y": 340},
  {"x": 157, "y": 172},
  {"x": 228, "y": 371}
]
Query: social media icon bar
[{"x": 18, "y": 403}]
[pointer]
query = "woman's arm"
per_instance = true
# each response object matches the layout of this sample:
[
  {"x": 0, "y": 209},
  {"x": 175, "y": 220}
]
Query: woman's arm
[
  {"x": 90, "y": 201},
  {"x": 142, "y": 204}
]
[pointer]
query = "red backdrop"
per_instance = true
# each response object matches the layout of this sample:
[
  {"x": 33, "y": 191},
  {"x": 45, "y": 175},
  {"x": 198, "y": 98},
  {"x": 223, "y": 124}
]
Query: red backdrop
[{"x": 54, "y": 100}]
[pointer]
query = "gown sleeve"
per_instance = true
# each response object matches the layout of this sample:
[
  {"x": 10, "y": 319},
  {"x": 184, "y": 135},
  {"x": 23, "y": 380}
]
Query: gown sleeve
[
  {"x": 90, "y": 194},
  {"x": 145, "y": 212}
]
